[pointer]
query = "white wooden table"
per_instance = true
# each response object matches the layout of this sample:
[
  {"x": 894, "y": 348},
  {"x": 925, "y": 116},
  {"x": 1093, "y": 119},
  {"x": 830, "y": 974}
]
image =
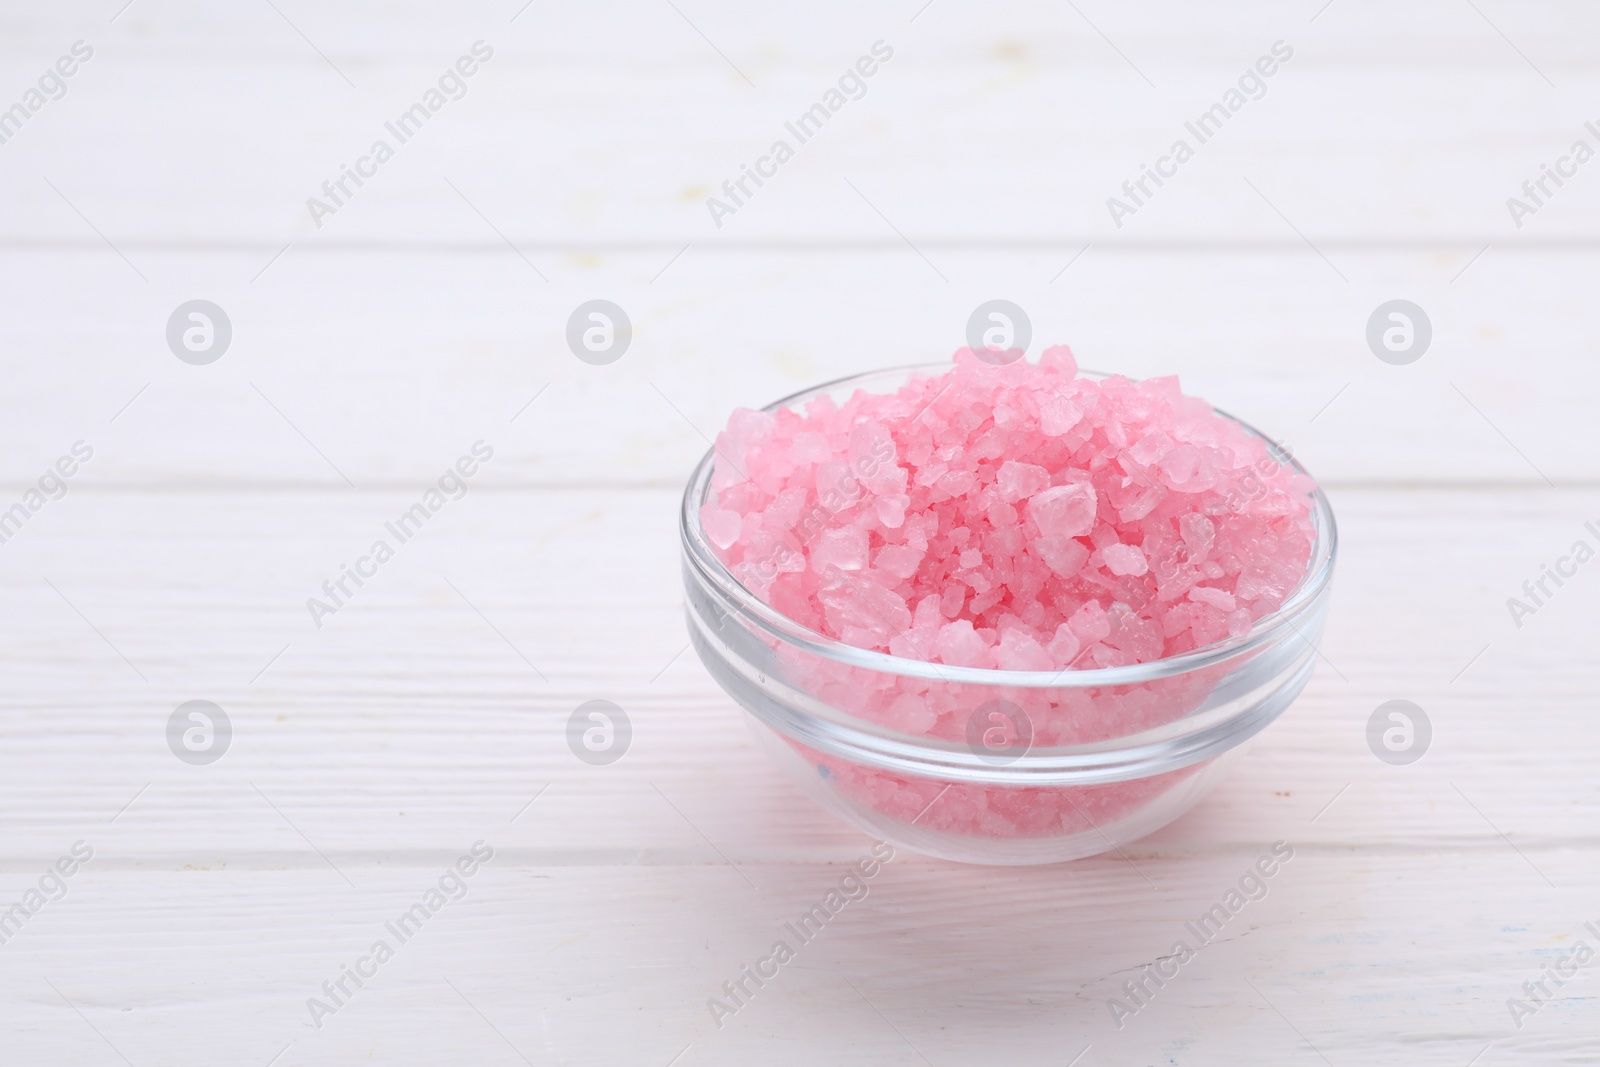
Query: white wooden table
[{"x": 429, "y": 712}]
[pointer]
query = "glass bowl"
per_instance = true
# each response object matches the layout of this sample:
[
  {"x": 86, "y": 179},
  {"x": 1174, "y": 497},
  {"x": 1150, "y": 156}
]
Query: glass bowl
[{"x": 1053, "y": 765}]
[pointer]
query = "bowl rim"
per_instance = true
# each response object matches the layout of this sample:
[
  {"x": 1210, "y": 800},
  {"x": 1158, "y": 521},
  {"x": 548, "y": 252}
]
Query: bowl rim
[{"x": 1264, "y": 631}]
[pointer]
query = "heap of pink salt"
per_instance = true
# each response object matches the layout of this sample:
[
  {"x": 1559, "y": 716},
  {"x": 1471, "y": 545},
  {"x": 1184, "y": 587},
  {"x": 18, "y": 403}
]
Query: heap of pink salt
[{"x": 1017, "y": 517}]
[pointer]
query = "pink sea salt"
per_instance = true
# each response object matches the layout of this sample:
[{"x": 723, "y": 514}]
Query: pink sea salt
[{"x": 1018, "y": 517}]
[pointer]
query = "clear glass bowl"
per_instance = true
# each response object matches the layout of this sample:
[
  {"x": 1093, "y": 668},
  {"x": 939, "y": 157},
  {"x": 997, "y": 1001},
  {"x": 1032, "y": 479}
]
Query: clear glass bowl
[{"x": 1054, "y": 765}]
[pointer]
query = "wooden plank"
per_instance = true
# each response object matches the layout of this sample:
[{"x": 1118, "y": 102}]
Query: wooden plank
[
  {"x": 616, "y": 965},
  {"x": 1011, "y": 125},
  {"x": 408, "y": 717},
  {"x": 391, "y": 364}
]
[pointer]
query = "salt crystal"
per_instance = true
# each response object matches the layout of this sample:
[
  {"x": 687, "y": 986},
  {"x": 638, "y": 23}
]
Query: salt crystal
[
  {"x": 1019, "y": 480},
  {"x": 1066, "y": 510},
  {"x": 1064, "y": 645},
  {"x": 1089, "y": 622},
  {"x": 899, "y": 560},
  {"x": 844, "y": 547},
  {"x": 1124, "y": 559},
  {"x": 864, "y": 606},
  {"x": 722, "y": 526},
  {"x": 1019, "y": 651},
  {"x": 1057, "y": 415},
  {"x": 1217, "y": 598},
  {"x": 958, "y": 644},
  {"x": 1063, "y": 555}
]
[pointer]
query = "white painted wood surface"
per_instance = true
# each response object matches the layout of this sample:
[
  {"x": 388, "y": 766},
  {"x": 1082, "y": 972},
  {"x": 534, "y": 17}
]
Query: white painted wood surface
[{"x": 370, "y": 753}]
